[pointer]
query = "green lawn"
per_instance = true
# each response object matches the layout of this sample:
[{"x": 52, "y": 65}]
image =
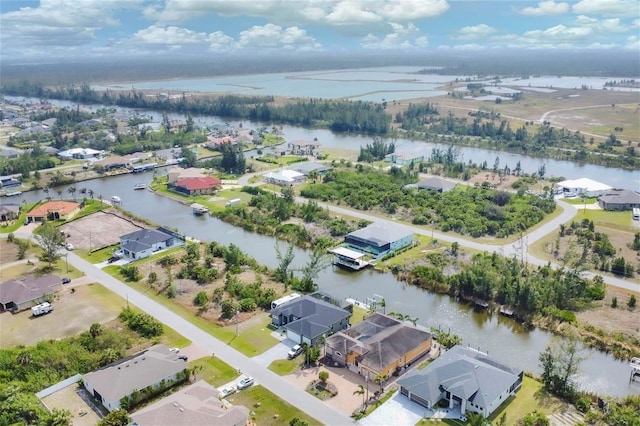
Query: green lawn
[
  {"x": 358, "y": 315},
  {"x": 613, "y": 219},
  {"x": 214, "y": 371},
  {"x": 283, "y": 367},
  {"x": 372, "y": 408},
  {"x": 267, "y": 409},
  {"x": 580, "y": 201}
]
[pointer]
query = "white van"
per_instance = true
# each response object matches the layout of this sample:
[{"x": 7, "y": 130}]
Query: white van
[
  {"x": 233, "y": 202},
  {"x": 635, "y": 213}
]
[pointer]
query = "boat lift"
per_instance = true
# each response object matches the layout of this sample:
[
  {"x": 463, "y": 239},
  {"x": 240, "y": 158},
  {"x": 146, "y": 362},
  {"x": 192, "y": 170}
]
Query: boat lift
[{"x": 635, "y": 369}]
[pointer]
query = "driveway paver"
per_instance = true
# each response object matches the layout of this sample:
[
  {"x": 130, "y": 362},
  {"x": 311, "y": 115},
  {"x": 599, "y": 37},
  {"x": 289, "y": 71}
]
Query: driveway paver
[{"x": 398, "y": 411}]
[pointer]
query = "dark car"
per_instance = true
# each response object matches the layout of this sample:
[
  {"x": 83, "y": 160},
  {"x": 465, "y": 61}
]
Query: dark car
[
  {"x": 184, "y": 358},
  {"x": 66, "y": 280},
  {"x": 113, "y": 259}
]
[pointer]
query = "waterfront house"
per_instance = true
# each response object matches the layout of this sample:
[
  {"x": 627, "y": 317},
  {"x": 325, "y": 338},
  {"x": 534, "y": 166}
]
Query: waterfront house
[
  {"x": 400, "y": 159},
  {"x": 196, "y": 185},
  {"x": 619, "y": 199},
  {"x": 54, "y": 210},
  {"x": 306, "y": 319},
  {"x": 465, "y": 378},
  {"x": 24, "y": 292},
  {"x": 177, "y": 173},
  {"x": 379, "y": 346},
  {"x": 379, "y": 239},
  {"x": 302, "y": 147},
  {"x": 145, "y": 242},
  {"x": 9, "y": 212},
  {"x": 283, "y": 178},
  {"x": 153, "y": 369},
  {"x": 80, "y": 154},
  {"x": 196, "y": 405},
  {"x": 583, "y": 186}
]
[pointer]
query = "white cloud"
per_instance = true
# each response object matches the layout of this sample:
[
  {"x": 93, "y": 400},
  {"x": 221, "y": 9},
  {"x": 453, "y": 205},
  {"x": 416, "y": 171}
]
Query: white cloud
[
  {"x": 475, "y": 32},
  {"x": 274, "y": 36},
  {"x": 611, "y": 25},
  {"x": 59, "y": 22},
  {"x": 168, "y": 36},
  {"x": 558, "y": 34},
  {"x": 400, "y": 37},
  {"x": 546, "y": 8},
  {"x": 607, "y": 7},
  {"x": 633, "y": 42},
  {"x": 303, "y": 12}
]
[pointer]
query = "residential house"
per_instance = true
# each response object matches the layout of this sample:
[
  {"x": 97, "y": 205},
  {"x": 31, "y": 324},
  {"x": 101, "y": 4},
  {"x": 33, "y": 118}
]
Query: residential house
[
  {"x": 9, "y": 212},
  {"x": 283, "y": 178},
  {"x": 309, "y": 166},
  {"x": 583, "y": 186},
  {"x": 380, "y": 239},
  {"x": 91, "y": 122},
  {"x": 400, "y": 159},
  {"x": 113, "y": 162},
  {"x": 196, "y": 405},
  {"x": 378, "y": 346},
  {"x": 215, "y": 142},
  {"x": 80, "y": 154},
  {"x": 433, "y": 184},
  {"x": 49, "y": 122},
  {"x": 178, "y": 173},
  {"x": 145, "y": 242},
  {"x": 465, "y": 378},
  {"x": 302, "y": 147},
  {"x": 619, "y": 199},
  {"x": 24, "y": 292},
  {"x": 196, "y": 185},
  {"x": 54, "y": 210},
  {"x": 149, "y": 371},
  {"x": 34, "y": 130},
  {"x": 306, "y": 319},
  {"x": 8, "y": 152},
  {"x": 9, "y": 182}
]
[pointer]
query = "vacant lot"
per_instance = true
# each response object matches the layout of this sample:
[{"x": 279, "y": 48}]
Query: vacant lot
[
  {"x": 98, "y": 230},
  {"x": 74, "y": 398},
  {"x": 74, "y": 312}
]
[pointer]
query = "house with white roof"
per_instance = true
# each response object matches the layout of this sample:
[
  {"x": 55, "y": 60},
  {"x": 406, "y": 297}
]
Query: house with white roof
[
  {"x": 80, "y": 154},
  {"x": 284, "y": 177},
  {"x": 583, "y": 186}
]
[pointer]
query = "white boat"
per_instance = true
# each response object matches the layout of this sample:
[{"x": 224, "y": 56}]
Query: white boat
[
  {"x": 199, "y": 209},
  {"x": 13, "y": 193},
  {"x": 140, "y": 186},
  {"x": 116, "y": 200}
]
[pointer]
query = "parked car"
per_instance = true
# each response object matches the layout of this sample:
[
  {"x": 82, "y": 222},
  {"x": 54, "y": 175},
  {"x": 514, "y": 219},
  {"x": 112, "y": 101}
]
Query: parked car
[
  {"x": 226, "y": 391},
  {"x": 294, "y": 352},
  {"x": 113, "y": 259},
  {"x": 69, "y": 246},
  {"x": 66, "y": 280},
  {"x": 184, "y": 358},
  {"x": 175, "y": 350},
  {"x": 245, "y": 383}
]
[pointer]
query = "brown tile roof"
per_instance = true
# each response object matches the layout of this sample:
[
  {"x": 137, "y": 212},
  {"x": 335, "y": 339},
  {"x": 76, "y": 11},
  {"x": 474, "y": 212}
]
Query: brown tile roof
[{"x": 62, "y": 207}]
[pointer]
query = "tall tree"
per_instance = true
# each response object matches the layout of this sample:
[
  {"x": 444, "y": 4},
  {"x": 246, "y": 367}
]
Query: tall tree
[
  {"x": 560, "y": 364},
  {"x": 281, "y": 273},
  {"x": 50, "y": 240}
]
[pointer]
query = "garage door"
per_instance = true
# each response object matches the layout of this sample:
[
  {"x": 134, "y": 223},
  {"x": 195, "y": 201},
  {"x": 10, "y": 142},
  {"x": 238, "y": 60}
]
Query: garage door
[
  {"x": 306, "y": 340},
  {"x": 293, "y": 336}
]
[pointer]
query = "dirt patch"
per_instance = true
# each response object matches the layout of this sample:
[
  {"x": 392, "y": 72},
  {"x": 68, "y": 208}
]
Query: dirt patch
[
  {"x": 75, "y": 308},
  {"x": 77, "y": 401},
  {"x": 8, "y": 252},
  {"x": 98, "y": 230},
  {"x": 614, "y": 320},
  {"x": 499, "y": 182}
]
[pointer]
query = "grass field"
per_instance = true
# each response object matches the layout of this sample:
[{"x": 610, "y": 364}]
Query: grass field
[
  {"x": 358, "y": 315},
  {"x": 267, "y": 409},
  {"x": 214, "y": 371},
  {"x": 282, "y": 367}
]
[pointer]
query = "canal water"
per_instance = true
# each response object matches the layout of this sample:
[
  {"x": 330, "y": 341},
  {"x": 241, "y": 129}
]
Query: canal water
[{"x": 501, "y": 337}]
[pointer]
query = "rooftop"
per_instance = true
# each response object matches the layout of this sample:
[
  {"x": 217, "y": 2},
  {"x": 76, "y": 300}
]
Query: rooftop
[
  {"x": 620, "y": 196},
  {"x": 381, "y": 233},
  {"x": 584, "y": 183},
  {"x": 62, "y": 207},
  {"x": 195, "y": 405},
  {"x": 144, "y": 369},
  {"x": 26, "y": 288},
  {"x": 196, "y": 183}
]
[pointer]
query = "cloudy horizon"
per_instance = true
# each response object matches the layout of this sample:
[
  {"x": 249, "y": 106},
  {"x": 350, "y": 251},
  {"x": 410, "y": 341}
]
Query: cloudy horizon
[{"x": 145, "y": 28}]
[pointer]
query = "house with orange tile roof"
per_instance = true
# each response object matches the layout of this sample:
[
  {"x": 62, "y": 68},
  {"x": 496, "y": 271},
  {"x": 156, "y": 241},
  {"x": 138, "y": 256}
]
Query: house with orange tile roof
[
  {"x": 54, "y": 210},
  {"x": 196, "y": 185}
]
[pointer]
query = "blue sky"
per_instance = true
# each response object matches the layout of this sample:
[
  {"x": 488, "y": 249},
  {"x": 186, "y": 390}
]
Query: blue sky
[{"x": 50, "y": 29}]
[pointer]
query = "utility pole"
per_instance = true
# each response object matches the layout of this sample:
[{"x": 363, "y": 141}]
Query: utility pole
[{"x": 237, "y": 312}]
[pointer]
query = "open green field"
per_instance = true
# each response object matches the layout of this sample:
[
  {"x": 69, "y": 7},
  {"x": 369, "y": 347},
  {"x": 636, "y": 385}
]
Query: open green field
[
  {"x": 214, "y": 371},
  {"x": 267, "y": 409},
  {"x": 282, "y": 367}
]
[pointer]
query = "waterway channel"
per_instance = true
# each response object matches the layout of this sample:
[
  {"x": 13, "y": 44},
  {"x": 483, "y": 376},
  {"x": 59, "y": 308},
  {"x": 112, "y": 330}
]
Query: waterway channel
[{"x": 501, "y": 337}]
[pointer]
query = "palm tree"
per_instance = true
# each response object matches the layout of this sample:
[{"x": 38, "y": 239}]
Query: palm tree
[
  {"x": 383, "y": 305},
  {"x": 100, "y": 198},
  {"x": 59, "y": 191},
  {"x": 72, "y": 191},
  {"x": 90, "y": 193},
  {"x": 360, "y": 391},
  {"x": 24, "y": 358}
]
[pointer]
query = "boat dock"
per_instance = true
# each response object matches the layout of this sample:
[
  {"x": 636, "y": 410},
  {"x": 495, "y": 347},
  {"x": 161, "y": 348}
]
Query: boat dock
[
  {"x": 635, "y": 369},
  {"x": 199, "y": 209},
  {"x": 349, "y": 258}
]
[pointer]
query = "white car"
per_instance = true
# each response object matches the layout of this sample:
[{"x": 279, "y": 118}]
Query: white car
[
  {"x": 69, "y": 246},
  {"x": 245, "y": 383},
  {"x": 226, "y": 391},
  {"x": 294, "y": 352}
]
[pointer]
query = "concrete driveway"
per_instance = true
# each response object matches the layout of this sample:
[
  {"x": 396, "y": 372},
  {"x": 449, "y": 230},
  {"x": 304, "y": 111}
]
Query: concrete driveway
[
  {"x": 279, "y": 351},
  {"x": 398, "y": 411}
]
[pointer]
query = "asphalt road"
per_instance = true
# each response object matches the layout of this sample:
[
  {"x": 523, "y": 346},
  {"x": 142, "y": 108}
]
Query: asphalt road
[{"x": 265, "y": 377}]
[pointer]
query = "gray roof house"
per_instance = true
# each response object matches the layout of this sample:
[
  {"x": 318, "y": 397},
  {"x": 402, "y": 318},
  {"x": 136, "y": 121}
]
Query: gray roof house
[
  {"x": 156, "y": 368},
  {"x": 145, "y": 242},
  {"x": 9, "y": 212},
  {"x": 196, "y": 405},
  {"x": 22, "y": 293},
  {"x": 468, "y": 379},
  {"x": 436, "y": 184},
  {"x": 379, "y": 239},
  {"x": 619, "y": 199},
  {"x": 379, "y": 345},
  {"x": 307, "y": 319},
  {"x": 309, "y": 166}
]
